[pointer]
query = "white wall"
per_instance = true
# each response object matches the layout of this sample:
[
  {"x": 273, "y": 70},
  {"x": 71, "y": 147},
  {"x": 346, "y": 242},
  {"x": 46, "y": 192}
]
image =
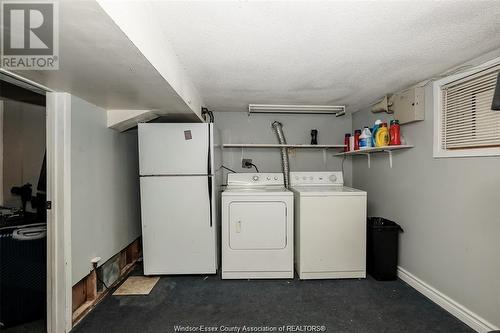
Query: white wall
[
  {"x": 105, "y": 211},
  {"x": 23, "y": 147},
  {"x": 449, "y": 210},
  {"x": 238, "y": 127}
]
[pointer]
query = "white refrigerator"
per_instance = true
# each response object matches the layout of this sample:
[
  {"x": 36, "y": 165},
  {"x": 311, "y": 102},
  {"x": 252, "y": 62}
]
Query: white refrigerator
[{"x": 178, "y": 204}]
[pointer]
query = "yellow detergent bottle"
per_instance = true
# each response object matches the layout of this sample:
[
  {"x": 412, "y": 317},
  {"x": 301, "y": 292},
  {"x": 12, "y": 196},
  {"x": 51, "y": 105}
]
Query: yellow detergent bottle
[{"x": 382, "y": 137}]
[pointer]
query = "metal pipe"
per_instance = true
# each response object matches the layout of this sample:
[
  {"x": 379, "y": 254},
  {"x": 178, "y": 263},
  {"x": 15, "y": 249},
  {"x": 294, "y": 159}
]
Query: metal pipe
[{"x": 278, "y": 129}]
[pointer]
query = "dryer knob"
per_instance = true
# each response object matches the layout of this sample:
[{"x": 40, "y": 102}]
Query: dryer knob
[
  {"x": 275, "y": 178},
  {"x": 333, "y": 178},
  {"x": 255, "y": 178}
]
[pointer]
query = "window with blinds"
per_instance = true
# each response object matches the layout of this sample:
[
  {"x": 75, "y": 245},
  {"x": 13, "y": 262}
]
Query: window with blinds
[{"x": 467, "y": 121}]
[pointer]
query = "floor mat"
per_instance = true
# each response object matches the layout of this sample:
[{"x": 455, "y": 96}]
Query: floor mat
[{"x": 137, "y": 285}]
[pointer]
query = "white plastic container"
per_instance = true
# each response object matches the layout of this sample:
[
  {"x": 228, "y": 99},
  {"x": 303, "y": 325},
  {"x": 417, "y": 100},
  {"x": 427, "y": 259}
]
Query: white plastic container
[
  {"x": 365, "y": 139},
  {"x": 351, "y": 143}
]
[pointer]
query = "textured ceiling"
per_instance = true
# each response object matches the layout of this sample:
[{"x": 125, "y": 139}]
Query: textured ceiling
[{"x": 350, "y": 53}]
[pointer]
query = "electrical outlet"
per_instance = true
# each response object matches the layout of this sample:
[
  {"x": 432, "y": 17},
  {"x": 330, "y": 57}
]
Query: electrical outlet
[{"x": 246, "y": 163}]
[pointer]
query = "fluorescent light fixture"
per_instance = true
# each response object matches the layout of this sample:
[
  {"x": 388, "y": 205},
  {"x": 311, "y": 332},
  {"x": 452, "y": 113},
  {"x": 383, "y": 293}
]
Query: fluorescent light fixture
[{"x": 337, "y": 110}]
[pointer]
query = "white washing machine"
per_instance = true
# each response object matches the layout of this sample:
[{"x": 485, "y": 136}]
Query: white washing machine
[
  {"x": 257, "y": 227},
  {"x": 330, "y": 227}
]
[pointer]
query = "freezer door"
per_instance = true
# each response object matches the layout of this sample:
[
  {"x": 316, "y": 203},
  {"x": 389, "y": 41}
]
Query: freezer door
[
  {"x": 175, "y": 149},
  {"x": 177, "y": 232}
]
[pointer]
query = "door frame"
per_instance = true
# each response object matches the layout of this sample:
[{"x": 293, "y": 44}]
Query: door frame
[
  {"x": 59, "y": 288},
  {"x": 59, "y": 316}
]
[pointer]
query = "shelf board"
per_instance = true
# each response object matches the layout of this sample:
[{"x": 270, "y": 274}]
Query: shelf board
[
  {"x": 272, "y": 145},
  {"x": 367, "y": 152},
  {"x": 373, "y": 150}
]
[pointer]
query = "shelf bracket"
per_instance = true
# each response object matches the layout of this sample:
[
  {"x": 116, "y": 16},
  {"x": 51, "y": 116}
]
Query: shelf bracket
[
  {"x": 368, "y": 159},
  {"x": 390, "y": 157},
  {"x": 324, "y": 157}
]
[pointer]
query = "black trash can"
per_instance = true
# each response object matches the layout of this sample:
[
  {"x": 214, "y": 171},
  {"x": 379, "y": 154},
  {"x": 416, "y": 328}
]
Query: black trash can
[{"x": 382, "y": 248}]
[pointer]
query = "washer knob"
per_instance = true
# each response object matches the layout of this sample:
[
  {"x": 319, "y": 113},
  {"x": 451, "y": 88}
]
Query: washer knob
[
  {"x": 255, "y": 178},
  {"x": 275, "y": 178},
  {"x": 268, "y": 178},
  {"x": 333, "y": 178}
]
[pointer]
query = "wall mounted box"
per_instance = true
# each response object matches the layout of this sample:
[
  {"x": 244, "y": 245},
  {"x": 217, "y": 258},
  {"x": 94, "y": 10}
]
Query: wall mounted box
[{"x": 409, "y": 105}]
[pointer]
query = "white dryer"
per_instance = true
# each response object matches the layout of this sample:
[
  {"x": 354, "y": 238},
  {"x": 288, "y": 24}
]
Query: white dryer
[
  {"x": 257, "y": 227},
  {"x": 330, "y": 226}
]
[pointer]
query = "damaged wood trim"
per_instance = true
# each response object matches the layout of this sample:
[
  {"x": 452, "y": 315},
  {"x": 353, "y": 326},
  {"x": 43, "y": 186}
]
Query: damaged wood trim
[{"x": 85, "y": 294}]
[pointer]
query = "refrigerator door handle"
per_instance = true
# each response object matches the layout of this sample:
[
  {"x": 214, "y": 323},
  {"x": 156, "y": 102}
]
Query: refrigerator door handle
[
  {"x": 209, "y": 172},
  {"x": 210, "y": 197}
]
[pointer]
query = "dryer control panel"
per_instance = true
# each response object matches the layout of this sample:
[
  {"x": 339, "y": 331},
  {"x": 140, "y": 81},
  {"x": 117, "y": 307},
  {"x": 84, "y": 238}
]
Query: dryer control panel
[
  {"x": 316, "y": 178},
  {"x": 254, "y": 179}
]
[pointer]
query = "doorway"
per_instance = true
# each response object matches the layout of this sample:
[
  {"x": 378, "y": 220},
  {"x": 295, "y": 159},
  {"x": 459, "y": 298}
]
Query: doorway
[{"x": 23, "y": 208}]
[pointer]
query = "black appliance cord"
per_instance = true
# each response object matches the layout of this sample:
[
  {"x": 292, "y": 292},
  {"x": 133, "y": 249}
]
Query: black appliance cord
[
  {"x": 256, "y": 169},
  {"x": 228, "y": 169}
]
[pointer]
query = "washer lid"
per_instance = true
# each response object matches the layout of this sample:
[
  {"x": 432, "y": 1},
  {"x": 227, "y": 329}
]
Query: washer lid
[{"x": 326, "y": 190}]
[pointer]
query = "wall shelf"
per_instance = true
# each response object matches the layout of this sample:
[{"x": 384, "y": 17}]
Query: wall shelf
[
  {"x": 242, "y": 146},
  {"x": 367, "y": 152},
  {"x": 272, "y": 145}
]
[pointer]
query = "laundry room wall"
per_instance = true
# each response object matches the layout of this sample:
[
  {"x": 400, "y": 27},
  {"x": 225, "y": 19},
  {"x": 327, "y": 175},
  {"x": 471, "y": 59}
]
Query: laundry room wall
[
  {"x": 105, "y": 209},
  {"x": 238, "y": 127},
  {"x": 449, "y": 210},
  {"x": 23, "y": 135}
]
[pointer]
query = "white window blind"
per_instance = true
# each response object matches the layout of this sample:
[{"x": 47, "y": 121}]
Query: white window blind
[{"x": 467, "y": 121}]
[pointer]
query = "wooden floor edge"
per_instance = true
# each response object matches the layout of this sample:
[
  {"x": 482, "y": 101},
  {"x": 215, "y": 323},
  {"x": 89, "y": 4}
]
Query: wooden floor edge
[{"x": 85, "y": 295}]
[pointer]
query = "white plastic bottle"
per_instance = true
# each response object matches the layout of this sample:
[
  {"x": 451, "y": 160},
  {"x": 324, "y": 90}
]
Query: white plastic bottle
[{"x": 365, "y": 139}]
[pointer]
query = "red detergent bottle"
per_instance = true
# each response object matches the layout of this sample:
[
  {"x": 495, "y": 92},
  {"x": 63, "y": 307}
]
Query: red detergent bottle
[{"x": 395, "y": 133}]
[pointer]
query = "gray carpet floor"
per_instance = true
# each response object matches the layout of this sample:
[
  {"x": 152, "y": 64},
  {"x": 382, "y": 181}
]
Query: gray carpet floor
[{"x": 364, "y": 305}]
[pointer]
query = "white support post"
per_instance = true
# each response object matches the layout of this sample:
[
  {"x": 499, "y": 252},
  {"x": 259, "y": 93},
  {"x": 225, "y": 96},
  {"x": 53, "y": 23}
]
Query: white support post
[{"x": 59, "y": 298}]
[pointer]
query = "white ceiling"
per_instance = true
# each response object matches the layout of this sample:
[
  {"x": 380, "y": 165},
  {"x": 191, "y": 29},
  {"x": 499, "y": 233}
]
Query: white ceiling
[{"x": 350, "y": 53}]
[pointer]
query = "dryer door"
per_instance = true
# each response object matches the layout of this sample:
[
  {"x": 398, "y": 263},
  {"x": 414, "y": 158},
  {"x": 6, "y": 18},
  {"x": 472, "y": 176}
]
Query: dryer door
[{"x": 256, "y": 225}]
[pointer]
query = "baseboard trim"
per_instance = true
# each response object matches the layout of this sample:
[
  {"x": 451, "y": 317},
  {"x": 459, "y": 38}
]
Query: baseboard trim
[{"x": 468, "y": 317}]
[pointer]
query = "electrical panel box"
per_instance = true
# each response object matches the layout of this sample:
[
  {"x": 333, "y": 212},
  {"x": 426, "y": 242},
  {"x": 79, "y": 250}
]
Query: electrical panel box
[{"x": 409, "y": 105}]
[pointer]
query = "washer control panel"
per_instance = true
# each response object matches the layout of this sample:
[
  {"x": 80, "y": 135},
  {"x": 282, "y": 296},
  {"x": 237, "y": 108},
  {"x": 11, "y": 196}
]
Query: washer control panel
[
  {"x": 254, "y": 179},
  {"x": 316, "y": 178}
]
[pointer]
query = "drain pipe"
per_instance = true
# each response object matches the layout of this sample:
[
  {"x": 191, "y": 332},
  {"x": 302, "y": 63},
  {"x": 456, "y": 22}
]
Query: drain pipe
[{"x": 278, "y": 129}]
